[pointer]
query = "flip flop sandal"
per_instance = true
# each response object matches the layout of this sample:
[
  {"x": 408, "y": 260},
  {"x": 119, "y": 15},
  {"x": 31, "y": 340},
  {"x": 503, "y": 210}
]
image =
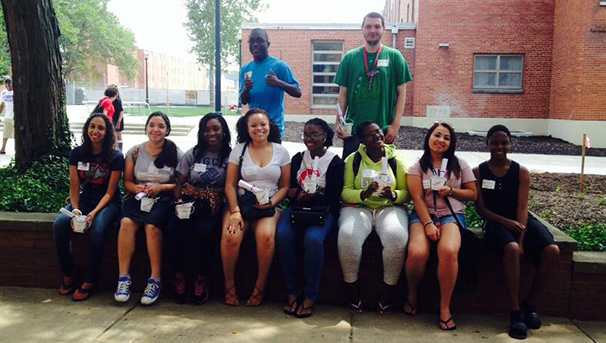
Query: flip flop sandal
[
  {"x": 82, "y": 294},
  {"x": 290, "y": 310},
  {"x": 445, "y": 323},
  {"x": 355, "y": 308},
  {"x": 413, "y": 310},
  {"x": 303, "y": 308},
  {"x": 382, "y": 310},
  {"x": 67, "y": 289}
]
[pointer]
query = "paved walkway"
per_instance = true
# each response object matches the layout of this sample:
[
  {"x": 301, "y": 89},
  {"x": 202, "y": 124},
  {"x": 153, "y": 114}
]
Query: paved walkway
[
  {"x": 42, "y": 316},
  {"x": 534, "y": 162}
]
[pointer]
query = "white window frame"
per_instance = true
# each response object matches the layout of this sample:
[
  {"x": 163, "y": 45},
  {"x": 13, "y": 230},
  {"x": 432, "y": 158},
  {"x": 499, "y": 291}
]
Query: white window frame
[
  {"x": 498, "y": 71},
  {"x": 313, "y": 74}
]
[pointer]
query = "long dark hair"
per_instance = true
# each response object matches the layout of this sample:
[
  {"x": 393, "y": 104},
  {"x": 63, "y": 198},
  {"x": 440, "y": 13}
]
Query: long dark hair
[
  {"x": 108, "y": 146},
  {"x": 453, "y": 161},
  {"x": 330, "y": 134},
  {"x": 168, "y": 155},
  {"x": 200, "y": 148},
  {"x": 242, "y": 128}
]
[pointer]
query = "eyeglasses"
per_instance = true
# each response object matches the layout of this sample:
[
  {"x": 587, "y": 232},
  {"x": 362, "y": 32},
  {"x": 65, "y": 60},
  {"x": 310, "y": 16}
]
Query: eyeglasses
[
  {"x": 313, "y": 135},
  {"x": 374, "y": 133},
  {"x": 258, "y": 40}
]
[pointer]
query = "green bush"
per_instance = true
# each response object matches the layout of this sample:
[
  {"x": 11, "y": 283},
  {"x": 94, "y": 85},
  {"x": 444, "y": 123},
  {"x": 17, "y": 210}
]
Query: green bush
[
  {"x": 472, "y": 216},
  {"x": 42, "y": 188},
  {"x": 591, "y": 237}
]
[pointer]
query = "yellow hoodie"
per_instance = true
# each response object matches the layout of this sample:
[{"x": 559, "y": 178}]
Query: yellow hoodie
[{"x": 352, "y": 189}]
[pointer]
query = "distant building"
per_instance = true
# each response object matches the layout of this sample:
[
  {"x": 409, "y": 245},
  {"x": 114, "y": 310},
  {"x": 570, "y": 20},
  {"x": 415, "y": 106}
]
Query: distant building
[{"x": 535, "y": 66}]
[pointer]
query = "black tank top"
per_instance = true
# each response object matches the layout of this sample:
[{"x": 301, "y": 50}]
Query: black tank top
[{"x": 500, "y": 194}]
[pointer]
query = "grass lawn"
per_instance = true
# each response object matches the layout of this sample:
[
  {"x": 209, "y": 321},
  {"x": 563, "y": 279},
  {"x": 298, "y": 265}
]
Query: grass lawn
[{"x": 178, "y": 111}]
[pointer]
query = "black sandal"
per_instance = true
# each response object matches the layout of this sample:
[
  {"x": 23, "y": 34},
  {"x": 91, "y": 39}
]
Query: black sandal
[
  {"x": 355, "y": 308},
  {"x": 294, "y": 304},
  {"x": 413, "y": 310},
  {"x": 303, "y": 308},
  {"x": 387, "y": 309},
  {"x": 445, "y": 323}
]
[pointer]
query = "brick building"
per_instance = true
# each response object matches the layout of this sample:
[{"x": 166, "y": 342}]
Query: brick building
[{"x": 537, "y": 65}]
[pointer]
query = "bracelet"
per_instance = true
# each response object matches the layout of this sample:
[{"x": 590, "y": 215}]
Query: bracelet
[
  {"x": 234, "y": 212},
  {"x": 427, "y": 223},
  {"x": 450, "y": 193}
]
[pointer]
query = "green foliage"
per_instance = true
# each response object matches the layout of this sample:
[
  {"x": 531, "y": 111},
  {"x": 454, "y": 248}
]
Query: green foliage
[
  {"x": 602, "y": 202},
  {"x": 591, "y": 237},
  {"x": 42, "y": 188},
  {"x": 545, "y": 214},
  {"x": 5, "y": 56},
  {"x": 90, "y": 35},
  {"x": 581, "y": 196},
  {"x": 558, "y": 189},
  {"x": 472, "y": 216},
  {"x": 200, "y": 27}
]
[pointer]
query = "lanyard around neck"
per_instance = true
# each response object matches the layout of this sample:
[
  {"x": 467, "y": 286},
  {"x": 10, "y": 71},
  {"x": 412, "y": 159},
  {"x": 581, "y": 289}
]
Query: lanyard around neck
[{"x": 371, "y": 73}]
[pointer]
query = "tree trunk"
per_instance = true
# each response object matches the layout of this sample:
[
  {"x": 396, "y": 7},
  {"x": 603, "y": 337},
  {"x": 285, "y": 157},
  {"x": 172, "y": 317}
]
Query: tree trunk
[{"x": 41, "y": 126}]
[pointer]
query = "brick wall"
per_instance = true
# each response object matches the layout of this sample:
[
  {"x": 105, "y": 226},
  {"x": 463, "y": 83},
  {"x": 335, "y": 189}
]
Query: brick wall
[
  {"x": 445, "y": 76},
  {"x": 28, "y": 259},
  {"x": 578, "y": 88}
]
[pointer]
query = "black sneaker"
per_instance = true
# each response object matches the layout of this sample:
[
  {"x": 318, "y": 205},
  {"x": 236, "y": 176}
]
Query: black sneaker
[
  {"x": 517, "y": 328},
  {"x": 531, "y": 317}
]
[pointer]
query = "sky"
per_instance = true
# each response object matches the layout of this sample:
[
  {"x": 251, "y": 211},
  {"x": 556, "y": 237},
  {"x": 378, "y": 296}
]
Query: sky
[{"x": 159, "y": 27}]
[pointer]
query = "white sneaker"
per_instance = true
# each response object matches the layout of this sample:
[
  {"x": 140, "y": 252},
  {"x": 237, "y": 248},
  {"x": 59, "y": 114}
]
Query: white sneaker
[
  {"x": 152, "y": 292},
  {"x": 123, "y": 290}
]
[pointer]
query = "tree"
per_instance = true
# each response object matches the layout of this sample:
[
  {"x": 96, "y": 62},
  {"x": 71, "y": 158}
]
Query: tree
[
  {"x": 5, "y": 57},
  {"x": 41, "y": 127},
  {"x": 200, "y": 26},
  {"x": 90, "y": 35}
]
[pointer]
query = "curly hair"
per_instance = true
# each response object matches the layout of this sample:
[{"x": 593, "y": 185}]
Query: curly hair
[
  {"x": 330, "y": 133},
  {"x": 242, "y": 128},
  {"x": 498, "y": 128},
  {"x": 360, "y": 129},
  {"x": 108, "y": 146}
]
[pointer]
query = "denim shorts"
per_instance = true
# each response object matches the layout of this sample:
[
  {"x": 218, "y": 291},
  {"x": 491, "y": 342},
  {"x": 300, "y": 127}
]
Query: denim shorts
[{"x": 414, "y": 218}]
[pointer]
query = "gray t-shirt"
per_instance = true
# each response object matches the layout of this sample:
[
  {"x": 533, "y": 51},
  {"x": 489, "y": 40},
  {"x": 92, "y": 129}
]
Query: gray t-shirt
[
  {"x": 204, "y": 173},
  {"x": 145, "y": 170}
]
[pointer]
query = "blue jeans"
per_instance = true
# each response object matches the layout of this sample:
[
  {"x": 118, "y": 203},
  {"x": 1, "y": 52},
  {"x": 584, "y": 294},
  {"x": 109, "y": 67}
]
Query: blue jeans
[
  {"x": 313, "y": 244},
  {"x": 97, "y": 233}
]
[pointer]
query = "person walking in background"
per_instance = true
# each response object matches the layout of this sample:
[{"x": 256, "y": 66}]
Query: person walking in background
[
  {"x": 265, "y": 79},
  {"x": 372, "y": 85},
  {"x": 510, "y": 231},
  {"x": 150, "y": 178},
  {"x": 7, "y": 99},
  {"x": 95, "y": 168},
  {"x": 439, "y": 183},
  {"x": 317, "y": 186},
  {"x": 106, "y": 105},
  {"x": 373, "y": 193},
  {"x": 118, "y": 118},
  {"x": 201, "y": 184}
]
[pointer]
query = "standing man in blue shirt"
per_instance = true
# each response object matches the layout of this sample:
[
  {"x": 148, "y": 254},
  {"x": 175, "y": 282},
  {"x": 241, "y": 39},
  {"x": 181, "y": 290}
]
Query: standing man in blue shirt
[{"x": 264, "y": 80}]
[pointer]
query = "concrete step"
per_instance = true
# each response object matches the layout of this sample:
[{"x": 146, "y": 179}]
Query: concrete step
[{"x": 132, "y": 129}]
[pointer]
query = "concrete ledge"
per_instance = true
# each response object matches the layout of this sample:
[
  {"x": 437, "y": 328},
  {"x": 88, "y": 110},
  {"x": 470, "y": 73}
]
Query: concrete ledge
[
  {"x": 27, "y": 221},
  {"x": 590, "y": 262}
]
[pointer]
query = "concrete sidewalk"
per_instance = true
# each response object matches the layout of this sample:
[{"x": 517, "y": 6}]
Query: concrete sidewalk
[
  {"x": 41, "y": 316},
  {"x": 534, "y": 162}
]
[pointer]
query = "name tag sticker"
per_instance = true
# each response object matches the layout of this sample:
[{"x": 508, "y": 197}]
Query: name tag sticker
[
  {"x": 383, "y": 63},
  {"x": 85, "y": 166},
  {"x": 167, "y": 169},
  {"x": 200, "y": 167},
  {"x": 488, "y": 184},
  {"x": 426, "y": 184},
  {"x": 250, "y": 170}
]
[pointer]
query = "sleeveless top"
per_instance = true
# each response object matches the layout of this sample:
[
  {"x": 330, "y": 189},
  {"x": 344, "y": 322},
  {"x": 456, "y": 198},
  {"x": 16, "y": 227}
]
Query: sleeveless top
[{"x": 503, "y": 198}]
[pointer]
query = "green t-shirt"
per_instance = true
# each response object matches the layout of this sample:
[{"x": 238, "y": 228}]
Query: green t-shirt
[{"x": 378, "y": 102}]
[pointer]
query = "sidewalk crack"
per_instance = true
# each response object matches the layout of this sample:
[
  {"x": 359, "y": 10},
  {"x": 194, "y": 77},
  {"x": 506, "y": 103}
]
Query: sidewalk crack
[
  {"x": 352, "y": 317},
  {"x": 115, "y": 322},
  {"x": 583, "y": 331}
]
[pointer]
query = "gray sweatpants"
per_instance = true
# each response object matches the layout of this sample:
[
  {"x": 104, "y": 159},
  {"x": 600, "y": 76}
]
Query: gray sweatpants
[{"x": 355, "y": 224}]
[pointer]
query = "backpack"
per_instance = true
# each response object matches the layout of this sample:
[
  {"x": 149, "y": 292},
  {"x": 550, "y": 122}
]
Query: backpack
[{"x": 98, "y": 108}]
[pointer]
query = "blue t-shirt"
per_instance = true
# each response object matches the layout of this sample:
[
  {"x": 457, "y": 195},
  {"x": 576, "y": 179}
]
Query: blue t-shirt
[
  {"x": 270, "y": 99},
  {"x": 97, "y": 172}
]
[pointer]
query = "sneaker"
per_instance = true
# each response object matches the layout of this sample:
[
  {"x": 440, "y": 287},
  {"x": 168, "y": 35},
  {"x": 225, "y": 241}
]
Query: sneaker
[
  {"x": 531, "y": 317},
  {"x": 152, "y": 292},
  {"x": 123, "y": 290},
  {"x": 180, "y": 295},
  {"x": 201, "y": 291}
]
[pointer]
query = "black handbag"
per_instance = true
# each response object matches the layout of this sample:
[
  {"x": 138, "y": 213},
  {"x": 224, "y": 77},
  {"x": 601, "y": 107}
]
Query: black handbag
[
  {"x": 247, "y": 201},
  {"x": 306, "y": 216}
]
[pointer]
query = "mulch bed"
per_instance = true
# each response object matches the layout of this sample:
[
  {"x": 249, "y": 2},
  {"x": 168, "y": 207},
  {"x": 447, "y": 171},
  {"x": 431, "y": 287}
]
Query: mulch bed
[{"x": 411, "y": 138}]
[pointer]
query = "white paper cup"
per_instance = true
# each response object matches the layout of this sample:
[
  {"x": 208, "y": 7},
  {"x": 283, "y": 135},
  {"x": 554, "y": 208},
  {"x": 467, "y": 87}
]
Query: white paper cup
[
  {"x": 262, "y": 196},
  {"x": 437, "y": 182},
  {"x": 184, "y": 210},
  {"x": 147, "y": 204},
  {"x": 249, "y": 74},
  {"x": 79, "y": 224},
  {"x": 310, "y": 186},
  {"x": 347, "y": 129}
]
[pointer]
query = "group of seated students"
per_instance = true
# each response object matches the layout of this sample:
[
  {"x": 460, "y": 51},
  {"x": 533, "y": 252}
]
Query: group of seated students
[{"x": 213, "y": 190}]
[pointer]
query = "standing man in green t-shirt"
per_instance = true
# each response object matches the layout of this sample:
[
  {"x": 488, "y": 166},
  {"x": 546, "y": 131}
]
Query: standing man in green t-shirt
[{"x": 372, "y": 80}]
